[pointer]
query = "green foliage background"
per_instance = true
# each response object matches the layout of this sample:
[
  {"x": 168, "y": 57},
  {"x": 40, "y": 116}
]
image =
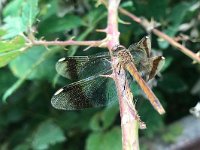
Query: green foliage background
[{"x": 28, "y": 77}]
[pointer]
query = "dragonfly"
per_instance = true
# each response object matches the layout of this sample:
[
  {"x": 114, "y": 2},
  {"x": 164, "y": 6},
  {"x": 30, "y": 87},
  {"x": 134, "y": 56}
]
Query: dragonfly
[{"x": 92, "y": 89}]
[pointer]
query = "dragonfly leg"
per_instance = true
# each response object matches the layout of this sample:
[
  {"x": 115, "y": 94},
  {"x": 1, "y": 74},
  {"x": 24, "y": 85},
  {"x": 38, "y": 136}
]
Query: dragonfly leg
[
  {"x": 120, "y": 67},
  {"x": 107, "y": 60},
  {"x": 126, "y": 84}
]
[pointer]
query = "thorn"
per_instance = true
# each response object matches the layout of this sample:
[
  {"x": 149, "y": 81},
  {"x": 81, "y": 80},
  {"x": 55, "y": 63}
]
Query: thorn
[
  {"x": 107, "y": 75},
  {"x": 65, "y": 48},
  {"x": 38, "y": 20},
  {"x": 73, "y": 37},
  {"x": 102, "y": 30},
  {"x": 42, "y": 38},
  {"x": 99, "y": 2},
  {"x": 149, "y": 25},
  {"x": 46, "y": 47},
  {"x": 57, "y": 39},
  {"x": 198, "y": 55},
  {"x": 85, "y": 49},
  {"x": 142, "y": 125},
  {"x": 104, "y": 42},
  {"x": 25, "y": 37},
  {"x": 123, "y": 22}
]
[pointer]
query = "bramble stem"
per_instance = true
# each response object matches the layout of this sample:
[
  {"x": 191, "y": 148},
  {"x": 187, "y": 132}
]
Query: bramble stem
[
  {"x": 70, "y": 42},
  {"x": 164, "y": 36},
  {"x": 129, "y": 124}
]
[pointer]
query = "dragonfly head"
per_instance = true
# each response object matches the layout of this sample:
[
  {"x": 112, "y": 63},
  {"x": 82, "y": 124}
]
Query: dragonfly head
[{"x": 118, "y": 48}]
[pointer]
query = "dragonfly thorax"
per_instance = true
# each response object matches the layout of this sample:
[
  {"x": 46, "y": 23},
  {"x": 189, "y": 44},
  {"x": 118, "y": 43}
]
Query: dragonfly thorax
[{"x": 124, "y": 57}]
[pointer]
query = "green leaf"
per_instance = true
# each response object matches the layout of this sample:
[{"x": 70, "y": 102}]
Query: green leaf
[
  {"x": 94, "y": 15},
  {"x": 135, "y": 89},
  {"x": 172, "y": 133},
  {"x": 104, "y": 119},
  {"x": 14, "y": 116},
  {"x": 12, "y": 89},
  {"x": 2, "y": 32},
  {"x": 6, "y": 57},
  {"x": 110, "y": 140},
  {"x": 11, "y": 114},
  {"x": 167, "y": 63},
  {"x": 127, "y": 4},
  {"x": 152, "y": 8},
  {"x": 45, "y": 70},
  {"x": 49, "y": 9},
  {"x": 48, "y": 133},
  {"x": 10, "y": 49},
  {"x": 13, "y": 8},
  {"x": 150, "y": 116},
  {"x": 23, "y": 146},
  {"x": 178, "y": 13},
  {"x": 176, "y": 17},
  {"x": 29, "y": 12},
  {"x": 35, "y": 68},
  {"x": 96, "y": 122},
  {"x": 89, "y": 30},
  {"x": 6, "y": 80},
  {"x": 172, "y": 83},
  {"x": 16, "y": 43},
  {"x": 14, "y": 26},
  {"x": 109, "y": 115},
  {"x": 20, "y": 18},
  {"x": 55, "y": 24}
]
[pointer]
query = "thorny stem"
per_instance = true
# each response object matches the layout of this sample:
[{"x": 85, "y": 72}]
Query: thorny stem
[
  {"x": 99, "y": 43},
  {"x": 164, "y": 36},
  {"x": 129, "y": 124}
]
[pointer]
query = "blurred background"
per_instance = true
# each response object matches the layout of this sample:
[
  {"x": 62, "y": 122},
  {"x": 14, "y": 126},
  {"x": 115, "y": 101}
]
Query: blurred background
[{"x": 29, "y": 79}]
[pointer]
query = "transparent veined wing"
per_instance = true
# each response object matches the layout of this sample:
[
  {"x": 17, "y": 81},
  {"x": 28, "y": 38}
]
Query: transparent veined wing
[
  {"x": 94, "y": 91},
  {"x": 76, "y": 67},
  {"x": 143, "y": 45}
]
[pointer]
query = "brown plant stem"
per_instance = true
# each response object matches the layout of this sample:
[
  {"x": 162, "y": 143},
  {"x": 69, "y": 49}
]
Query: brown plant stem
[
  {"x": 129, "y": 124},
  {"x": 164, "y": 36},
  {"x": 100, "y": 43}
]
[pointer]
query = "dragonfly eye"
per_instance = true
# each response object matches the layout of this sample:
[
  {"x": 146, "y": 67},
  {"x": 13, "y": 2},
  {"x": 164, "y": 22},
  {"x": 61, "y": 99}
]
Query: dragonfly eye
[{"x": 118, "y": 48}]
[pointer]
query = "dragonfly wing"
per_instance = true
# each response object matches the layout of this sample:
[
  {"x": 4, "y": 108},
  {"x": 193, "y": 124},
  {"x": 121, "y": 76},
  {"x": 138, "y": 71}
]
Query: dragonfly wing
[
  {"x": 157, "y": 63},
  {"x": 74, "y": 67},
  {"x": 142, "y": 63},
  {"x": 97, "y": 66},
  {"x": 70, "y": 66},
  {"x": 152, "y": 98},
  {"x": 144, "y": 44},
  {"x": 90, "y": 92}
]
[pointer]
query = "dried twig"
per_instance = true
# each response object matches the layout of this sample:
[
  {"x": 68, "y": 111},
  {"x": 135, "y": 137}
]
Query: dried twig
[{"x": 164, "y": 36}]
